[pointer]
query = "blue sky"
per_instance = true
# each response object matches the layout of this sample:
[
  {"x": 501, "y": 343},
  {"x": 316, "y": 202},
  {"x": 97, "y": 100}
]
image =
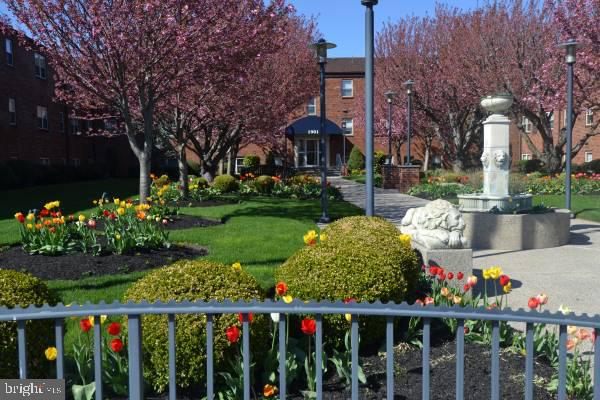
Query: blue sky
[{"x": 342, "y": 21}]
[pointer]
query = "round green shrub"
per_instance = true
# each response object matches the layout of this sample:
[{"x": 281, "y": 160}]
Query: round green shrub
[
  {"x": 251, "y": 162},
  {"x": 201, "y": 181},
  {"x": 356, "y": 160},
  {"x": 362, "y": 258},
  {"x": 264, "y": 184},
  {"x": 19, "y": 289},
  {"x": 225, "y": 183},
  {"x": 194, "y": 280}
]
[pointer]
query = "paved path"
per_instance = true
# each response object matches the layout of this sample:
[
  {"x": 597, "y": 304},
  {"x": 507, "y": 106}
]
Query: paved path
[{"x": 570, "y": 274}]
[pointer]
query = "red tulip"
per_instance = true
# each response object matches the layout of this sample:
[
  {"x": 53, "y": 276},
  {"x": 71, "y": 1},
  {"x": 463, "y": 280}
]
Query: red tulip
[
  {"x": 308, "y": 326},
  {"x": 233, "y": 334},
  {"x": 44, "y": 212},
  {"x": 533, "y": 303},
  {"x": 428, "y": 300},
  {"x": 433, "y": 270},
  {"x": 114, "y": 329},
  {"x": 281, "y": 288},
  {"x": 466, "y": 287},
  {"x": 106, "y": 213},
  {"x": 85, "y": 325},
  {"x": 460, "y": 275},
  {"x": 441, "y": 271},
  {"x": 116, "y": 345},
  {"x": 467, "y": 330},
  {"x": 442, "y": 276},
  {"x": 450, "y": 276},
  {"x": 21, "y": 218},
  {"x": 249, "y": 317},
  {"x": 504, "y": 280}
]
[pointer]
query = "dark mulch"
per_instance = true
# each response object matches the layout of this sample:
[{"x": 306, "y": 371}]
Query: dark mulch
[
  {"x": 183, "y": 221},
  {"x": 408, "y": 375},
  {"x": 78, "y": 265}
]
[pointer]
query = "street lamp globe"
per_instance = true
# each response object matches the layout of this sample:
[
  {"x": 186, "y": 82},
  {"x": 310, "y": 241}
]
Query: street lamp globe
[
  {"x": 570, "y": 47},
  {"x": 409, "y": 86},
  {"x": 389, "y": 95}
]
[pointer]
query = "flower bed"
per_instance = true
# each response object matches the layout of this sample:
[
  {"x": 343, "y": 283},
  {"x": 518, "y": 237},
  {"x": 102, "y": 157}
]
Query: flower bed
[
  {"x": 581, "y": 183},
  {"x": 168, "y": 195}
]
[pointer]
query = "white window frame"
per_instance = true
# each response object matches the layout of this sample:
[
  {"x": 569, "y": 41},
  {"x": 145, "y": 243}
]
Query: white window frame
[
  {"x": 12, "y": 112},
  {"x": 45, "y": 161},
  {"x": 526, "y": 157},
  {"x": 239, "y": 164},
  {"x": 588, "y": 156},
  {"x": 42, "y": 117},
  {"x": 40, "y": 65},
  {"x": 311, "y": 107},
  {"x": 76, "y": 162},
  {"x": 526, "y": 124},
  {"x": 9, "y": 48},
  {"x": 345, "y": 96},
  {"x": 589, "y": 117},
  {"x": 345, "y": 130}
]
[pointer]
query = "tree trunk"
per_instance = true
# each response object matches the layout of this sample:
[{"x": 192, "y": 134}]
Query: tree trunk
[
  {"x": 458, "y": 165},
  {"x": 230, "y": 162},
  {"x": 144, "y": 159},
  {"x": 426, "y": 158},
  {"x": 184, "y": 183}
]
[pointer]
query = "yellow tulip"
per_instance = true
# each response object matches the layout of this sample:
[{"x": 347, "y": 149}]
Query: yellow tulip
[
  {"x": 236, "y": 266},
  {"x": 444, "y": 291},
  {"x": 571, "y": 329},
  {"x": 29, "y": 226},
  {"x": 81, "y": 218},
  {"x": 348, "y": 317},
  {"x": 287, "y": 299},
  {"x": 507, "y": 288},
  {"x": 51, "y": 353},
  {"x": 405, "y": 239},
  {"x": 118, "y": 237},
  {"x": 457, "y": 299},
  {"x": 117, "y": 201},
  {"x": 30, "y": 217},
  {"x": 323, "y": 237},
  {"x": 120, "y": 211},
  {"x": 486, "y": 274}
]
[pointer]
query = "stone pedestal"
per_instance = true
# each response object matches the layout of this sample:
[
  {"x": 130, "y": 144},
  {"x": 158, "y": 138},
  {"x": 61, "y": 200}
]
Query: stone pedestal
[
  {"x": 401, "y": 177},
  {"x": 452, "y": 260}
]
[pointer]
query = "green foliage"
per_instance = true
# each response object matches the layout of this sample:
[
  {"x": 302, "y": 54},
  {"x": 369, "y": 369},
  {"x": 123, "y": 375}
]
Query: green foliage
[
  {"x": 379, "y": 158},
  {"x": 362, "y": 259},
  {"x": 225, "y": 183},
  {"x": 252, "y": 162},
  {"x": 264, "y": 184},
  {"x": 356, "y": 160},
  {"x": 18, "y": 289},
  {"x": 193, "y": 280},
  {"x": 434, "y": 191},
  {"x": 529, "y": 166}
]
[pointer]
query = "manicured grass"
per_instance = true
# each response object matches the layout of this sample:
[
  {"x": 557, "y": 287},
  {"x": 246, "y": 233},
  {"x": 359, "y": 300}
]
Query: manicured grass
[
  {"x": 260, "y": 233},
  {"x": 363, "y": 179},
  {"x": 585, "y": 207},
  {"x": 74, "y": 197}
]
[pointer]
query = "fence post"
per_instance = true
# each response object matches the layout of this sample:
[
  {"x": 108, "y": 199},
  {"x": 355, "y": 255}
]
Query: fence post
[
  {"x": 172, "y": 369},
  {"x": 136, "y": 379},
  {"x": 22, "y": 349},
  {"x": 59, "y": 332},
  {"x": 98, "y": 356}
]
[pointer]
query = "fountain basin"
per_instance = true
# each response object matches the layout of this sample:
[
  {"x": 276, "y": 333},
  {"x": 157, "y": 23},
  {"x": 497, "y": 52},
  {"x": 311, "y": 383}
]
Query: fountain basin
[{"x": 481, "y": 202}]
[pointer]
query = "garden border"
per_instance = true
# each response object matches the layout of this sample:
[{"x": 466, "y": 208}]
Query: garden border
[{"x": 135, "y": 311}]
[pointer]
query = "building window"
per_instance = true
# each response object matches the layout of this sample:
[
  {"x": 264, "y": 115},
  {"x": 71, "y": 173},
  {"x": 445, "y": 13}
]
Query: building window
[
  {"x": 12, "y": 112},
  {"x": 526, "y": 125},
  {"x": 239, "y": 164},
  {"x": 42, "y": 117},
  {"x": 61, "y": 122},
  {"x": 44, "y": 161},
  {"x": 347, "y": 88},
  {"x": 588, "y": 156},
  {"x": 40, "y": 66},
  {"x": 74, "y": 126},
  {"x": 550, "y": 116},
  {"x": 348, "y": 126},
  {"x": 311, "y": 108},
  {"x": 8, "y": 46},
  {"x": 526, "y": 156},
  {"x": 76, "y": 162},
  {"x": 110, "y": 125},
  {"x": 589, "y": 117}
]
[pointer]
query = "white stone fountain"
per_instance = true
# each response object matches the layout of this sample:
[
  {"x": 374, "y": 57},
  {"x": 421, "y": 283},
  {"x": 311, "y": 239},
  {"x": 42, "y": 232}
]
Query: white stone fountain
[{"x": 496, "y": 163}]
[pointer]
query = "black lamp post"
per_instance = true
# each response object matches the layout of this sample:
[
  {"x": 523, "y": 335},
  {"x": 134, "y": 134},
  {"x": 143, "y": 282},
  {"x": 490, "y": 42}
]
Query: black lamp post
[
  {"x": 321, "y": 48},
  {"x": 409, "y": 91},
  {"x": 389, "y": 95},
  {"x": 570, "y": 47}
]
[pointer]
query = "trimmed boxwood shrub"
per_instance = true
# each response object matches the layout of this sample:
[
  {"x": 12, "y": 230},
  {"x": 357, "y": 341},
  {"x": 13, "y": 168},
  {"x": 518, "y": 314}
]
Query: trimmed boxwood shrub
[
  {"x": 362, "y": 258},
  {"x": 225, "y": 183},
  {"x": 251, "y": 162},
  {"x": 356, "y": 160},
  {"x": 264, "y": 184},
  {"x": 19, "y": 289},
  {"x": 193, "y": 280}
]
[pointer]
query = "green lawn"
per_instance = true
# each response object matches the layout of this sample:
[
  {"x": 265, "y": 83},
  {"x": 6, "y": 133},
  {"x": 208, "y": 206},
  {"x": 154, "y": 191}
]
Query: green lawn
[
  {"x": 260, "y": 233},
  {"x": 585, "y": 207}
]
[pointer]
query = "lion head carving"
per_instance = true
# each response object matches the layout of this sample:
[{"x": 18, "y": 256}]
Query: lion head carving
[{"x": 501, "y": 158}]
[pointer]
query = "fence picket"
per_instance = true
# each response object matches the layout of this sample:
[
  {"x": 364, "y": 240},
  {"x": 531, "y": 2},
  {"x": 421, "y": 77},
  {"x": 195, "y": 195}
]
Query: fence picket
[
  {"x": 460, "y": 359},
  {"x": 562, "y": 363},
  {"x": 59, "y": 333},
  {"x": 209, "y": 357},
  {"x": 98, "y": 356},
  {"x": 282, "y": 357},
  {"x": 246, "y": 355},
  {"x": 389, "y": 357},
  {"x": 136, "y": 379},
  {"x": 354, "y": 344},
  {"x": 319, "y": 356},
  {"x": 426, "y": 349},
  {"x": 529, "y": 354},
  {"x": 22, "y": 344},
  {"x": 495, "y": 360},
  {"x": 172, "y": 367}
]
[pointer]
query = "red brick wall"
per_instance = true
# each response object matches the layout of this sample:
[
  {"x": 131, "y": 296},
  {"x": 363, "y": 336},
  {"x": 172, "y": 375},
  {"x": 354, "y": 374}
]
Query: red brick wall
[
  {"x": 26, "y": 141},
  {"x": 401, "y": 177}
]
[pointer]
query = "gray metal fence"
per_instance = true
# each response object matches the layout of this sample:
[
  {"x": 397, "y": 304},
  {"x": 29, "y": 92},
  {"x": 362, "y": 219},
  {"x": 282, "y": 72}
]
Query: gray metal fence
[{"x": 135, "y": 311}]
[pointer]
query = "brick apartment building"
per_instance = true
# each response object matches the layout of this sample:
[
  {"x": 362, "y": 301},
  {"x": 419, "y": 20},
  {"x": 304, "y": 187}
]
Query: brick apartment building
[
  {"x": 35, "y": 128},
  {"x": 344, "y": 79}
]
